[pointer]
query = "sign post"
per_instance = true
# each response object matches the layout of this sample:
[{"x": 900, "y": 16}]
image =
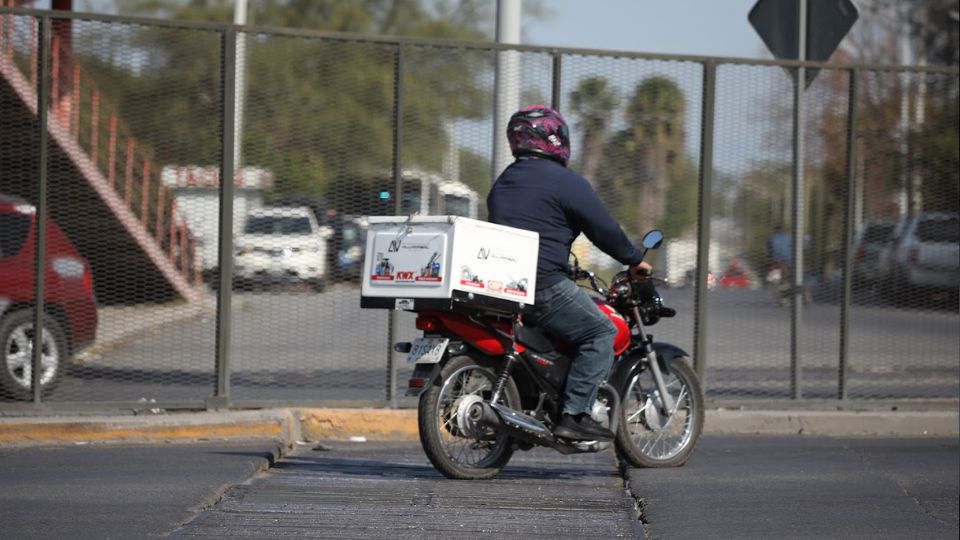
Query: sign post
[{"x": 801, "y": 30}]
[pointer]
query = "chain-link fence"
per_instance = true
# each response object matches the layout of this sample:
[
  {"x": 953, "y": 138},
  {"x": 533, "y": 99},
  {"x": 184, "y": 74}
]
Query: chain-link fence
[{"x": 166, "y": 287}]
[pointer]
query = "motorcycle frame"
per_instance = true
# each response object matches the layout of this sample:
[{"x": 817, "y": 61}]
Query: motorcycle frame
[{"x": 652, "y": 355}]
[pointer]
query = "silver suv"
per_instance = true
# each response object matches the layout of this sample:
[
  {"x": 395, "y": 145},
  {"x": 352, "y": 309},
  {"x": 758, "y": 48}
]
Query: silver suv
[
  {"x": 925, "y": 254},
  {"x": 873, "y": 239}
]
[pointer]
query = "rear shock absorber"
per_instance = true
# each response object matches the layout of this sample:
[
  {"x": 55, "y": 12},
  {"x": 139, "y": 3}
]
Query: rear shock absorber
[{"x": 503, "y": 376}]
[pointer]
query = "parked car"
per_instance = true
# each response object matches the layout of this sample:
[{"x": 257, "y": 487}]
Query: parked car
[
  {"x": 872, "y": 240},
  {"x": 282, "y": 244},
  {"x": 925, "y": 255},
  {"x": 70, "y": 308}
]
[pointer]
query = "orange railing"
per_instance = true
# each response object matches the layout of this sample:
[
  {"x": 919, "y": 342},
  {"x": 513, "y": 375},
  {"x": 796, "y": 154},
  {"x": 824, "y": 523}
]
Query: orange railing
[{"x": 127, "y": 163}]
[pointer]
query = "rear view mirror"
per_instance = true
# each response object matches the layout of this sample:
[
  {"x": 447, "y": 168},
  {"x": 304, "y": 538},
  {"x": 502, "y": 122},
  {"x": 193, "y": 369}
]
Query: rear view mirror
[{"x": 653, "y": 239}]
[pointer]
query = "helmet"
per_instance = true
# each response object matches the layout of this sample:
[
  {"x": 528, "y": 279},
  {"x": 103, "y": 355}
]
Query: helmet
[{"x": 538, "y": 129}]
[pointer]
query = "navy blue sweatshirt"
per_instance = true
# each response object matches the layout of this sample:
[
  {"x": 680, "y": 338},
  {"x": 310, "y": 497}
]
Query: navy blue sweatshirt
[{"x": 543, "y": 196}]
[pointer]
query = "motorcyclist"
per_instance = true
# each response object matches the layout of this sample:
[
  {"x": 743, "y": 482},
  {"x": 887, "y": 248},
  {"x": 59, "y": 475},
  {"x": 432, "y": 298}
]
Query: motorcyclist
[
  {"x": 780, "y": 266},
  {"x": 538, "y": 192}
]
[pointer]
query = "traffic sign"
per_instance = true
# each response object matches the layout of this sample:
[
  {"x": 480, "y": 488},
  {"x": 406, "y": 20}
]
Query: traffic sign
[{"x": 778, "y": 23}]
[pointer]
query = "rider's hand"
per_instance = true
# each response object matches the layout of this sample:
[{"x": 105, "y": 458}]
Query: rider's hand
[{"x": 641, "y": 269}]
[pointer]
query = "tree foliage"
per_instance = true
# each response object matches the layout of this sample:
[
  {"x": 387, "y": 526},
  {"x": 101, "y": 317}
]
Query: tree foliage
[
  {"x": 594, "y": 101},
  {"x": 906, "y": 142},
  {"x": 645, "y": 161},
  {"x": 318, "y": 112}
]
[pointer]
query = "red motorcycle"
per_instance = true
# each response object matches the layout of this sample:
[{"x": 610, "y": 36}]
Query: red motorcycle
[{"x": 488, "y": 385}]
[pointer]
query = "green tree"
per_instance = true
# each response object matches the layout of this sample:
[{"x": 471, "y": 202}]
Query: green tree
[
  {"x": 319, "y": 112},
  {"x": 644, "y": 158},
  {"x": 594, "y": 101}
]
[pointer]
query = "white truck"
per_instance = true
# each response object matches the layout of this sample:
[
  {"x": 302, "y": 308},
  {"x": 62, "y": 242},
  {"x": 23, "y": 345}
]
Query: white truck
[{"x": 196, "y": 190}]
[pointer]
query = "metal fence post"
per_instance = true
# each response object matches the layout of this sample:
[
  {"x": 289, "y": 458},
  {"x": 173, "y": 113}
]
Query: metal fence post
[
  {"x": 221, "y": 397},
  {"x": 848, "y": 233},
  {"x": 703, "y": 219},
  {"x": 397, "y": 209},
  {"x": 796, "y": 311},
  {"x": 555, "y": 87},
  {"x": 43, "y": 106}
]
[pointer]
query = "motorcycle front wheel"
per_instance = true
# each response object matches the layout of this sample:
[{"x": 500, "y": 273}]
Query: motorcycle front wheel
[
  {"x": 646, "y": 436},
  {"x": 456, "y": 446}
]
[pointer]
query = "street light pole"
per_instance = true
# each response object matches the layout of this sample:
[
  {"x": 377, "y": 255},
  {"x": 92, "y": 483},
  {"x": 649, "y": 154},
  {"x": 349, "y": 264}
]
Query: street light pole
[
  {"x": 239, "y": 19},
  {"x": 507, "y": 98}
]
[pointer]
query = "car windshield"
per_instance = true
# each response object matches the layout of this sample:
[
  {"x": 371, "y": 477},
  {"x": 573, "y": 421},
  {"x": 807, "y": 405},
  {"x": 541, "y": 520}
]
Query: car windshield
[
  {"x": 13, "y": 233},
  {"x": 878, "y": 233},
  {"x": 277, "y": 225},
  {"x": 939, "y": 230}
]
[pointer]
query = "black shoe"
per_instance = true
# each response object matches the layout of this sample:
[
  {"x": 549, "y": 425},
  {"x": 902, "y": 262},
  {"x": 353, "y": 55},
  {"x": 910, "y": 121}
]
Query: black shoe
[{"x": 581, "y": 427}]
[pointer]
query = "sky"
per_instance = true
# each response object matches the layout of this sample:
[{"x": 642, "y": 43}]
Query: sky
[{"x": 693, "y": 27}]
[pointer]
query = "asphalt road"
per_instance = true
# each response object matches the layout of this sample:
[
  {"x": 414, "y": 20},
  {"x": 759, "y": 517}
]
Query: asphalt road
[
  {"x": 799, "y": 487},
  {"x": 101, "y": 492},
  {"x": 296, "y": 345},
  {"x": 732, "y": 487}
]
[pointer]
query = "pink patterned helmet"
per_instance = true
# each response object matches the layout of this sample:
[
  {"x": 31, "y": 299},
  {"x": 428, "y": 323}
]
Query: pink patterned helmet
[{"x": 538, "y": 129}]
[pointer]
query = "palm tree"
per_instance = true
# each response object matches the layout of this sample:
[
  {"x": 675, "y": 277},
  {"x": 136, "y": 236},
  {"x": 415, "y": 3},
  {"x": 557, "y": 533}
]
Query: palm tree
[
  {"x": 594, "y": 101},
  {"x": 655, "y": 115}
]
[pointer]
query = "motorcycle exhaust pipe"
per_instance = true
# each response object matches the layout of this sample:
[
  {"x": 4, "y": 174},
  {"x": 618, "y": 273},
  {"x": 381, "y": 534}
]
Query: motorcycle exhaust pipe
[
  {"x": 481, "y": 413},
  {"x": 513, "y": 423}
]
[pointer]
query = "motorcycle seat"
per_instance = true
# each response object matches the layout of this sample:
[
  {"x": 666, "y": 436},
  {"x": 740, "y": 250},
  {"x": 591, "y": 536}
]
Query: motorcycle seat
[{"x": 534, "y": 339}]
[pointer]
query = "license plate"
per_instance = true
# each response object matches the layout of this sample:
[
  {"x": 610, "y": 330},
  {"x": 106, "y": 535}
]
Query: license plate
[{"x": 427, "y": 350}]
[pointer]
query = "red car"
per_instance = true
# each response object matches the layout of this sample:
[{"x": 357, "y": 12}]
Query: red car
[
  {"x": 70, "y": 310},
  {"x": 736, "y": 276}
]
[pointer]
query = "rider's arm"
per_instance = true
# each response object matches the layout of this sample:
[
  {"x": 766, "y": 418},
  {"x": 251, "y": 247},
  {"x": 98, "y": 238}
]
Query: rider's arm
[{"x": 587, "y": 212}]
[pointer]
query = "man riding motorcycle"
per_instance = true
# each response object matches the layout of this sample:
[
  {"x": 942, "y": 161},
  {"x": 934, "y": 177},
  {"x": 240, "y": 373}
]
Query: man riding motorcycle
[{"x": 539, "y": 193}]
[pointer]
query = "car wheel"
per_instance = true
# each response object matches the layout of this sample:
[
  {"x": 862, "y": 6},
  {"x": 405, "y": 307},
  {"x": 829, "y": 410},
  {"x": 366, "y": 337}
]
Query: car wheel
[{"x": 16, "y": 371}]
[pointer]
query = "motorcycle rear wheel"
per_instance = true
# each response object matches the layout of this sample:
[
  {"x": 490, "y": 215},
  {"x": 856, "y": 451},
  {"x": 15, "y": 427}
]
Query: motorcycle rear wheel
[
  {"x": 464, "y": 452},
  {"x": 645, "y": 437}
]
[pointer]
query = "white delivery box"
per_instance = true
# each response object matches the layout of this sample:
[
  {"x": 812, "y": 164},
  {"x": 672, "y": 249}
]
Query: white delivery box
[{"x": 441, "y": 262}]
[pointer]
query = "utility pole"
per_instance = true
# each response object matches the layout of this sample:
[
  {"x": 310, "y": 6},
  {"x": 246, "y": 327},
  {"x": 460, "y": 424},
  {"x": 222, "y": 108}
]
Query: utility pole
[
  {"x": 239, "y": 19},
  {"x": 507, "y": 98}
]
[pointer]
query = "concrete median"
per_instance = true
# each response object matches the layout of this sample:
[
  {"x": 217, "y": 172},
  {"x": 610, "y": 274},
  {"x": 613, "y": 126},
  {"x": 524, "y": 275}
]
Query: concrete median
[{"x": 316, "y": 424}]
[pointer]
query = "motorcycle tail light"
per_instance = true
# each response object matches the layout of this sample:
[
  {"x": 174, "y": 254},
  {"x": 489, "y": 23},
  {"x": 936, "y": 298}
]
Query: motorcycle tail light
[
  {"x": 416, "y": 383},
  {"x": 428, "y": 324}
]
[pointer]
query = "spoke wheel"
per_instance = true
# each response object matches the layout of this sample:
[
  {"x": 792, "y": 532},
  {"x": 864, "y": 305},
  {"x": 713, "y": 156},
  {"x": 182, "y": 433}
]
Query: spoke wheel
[
  {"x": 649, "y": 438},
  {"x": 457, "y": 447}
]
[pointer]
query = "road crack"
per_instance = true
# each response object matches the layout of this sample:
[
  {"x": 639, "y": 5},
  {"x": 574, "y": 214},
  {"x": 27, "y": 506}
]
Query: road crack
[
  {"x": 639, "y": 503},
  {"x": 904, "y": 488}
]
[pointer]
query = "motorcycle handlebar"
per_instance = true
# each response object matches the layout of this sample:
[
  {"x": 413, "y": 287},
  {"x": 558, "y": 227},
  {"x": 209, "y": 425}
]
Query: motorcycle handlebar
[{"x": 577, "y": 274}]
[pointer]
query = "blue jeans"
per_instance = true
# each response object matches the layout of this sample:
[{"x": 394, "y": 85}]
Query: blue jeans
[{"x": 565, "y": 311}]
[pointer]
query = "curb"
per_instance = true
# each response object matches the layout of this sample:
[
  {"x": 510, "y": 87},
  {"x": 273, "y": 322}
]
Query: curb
[
  {"x": 289, "y": 426},
  {"x": 834, "y": 423},
  {"x": 279, "y": 425}
]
